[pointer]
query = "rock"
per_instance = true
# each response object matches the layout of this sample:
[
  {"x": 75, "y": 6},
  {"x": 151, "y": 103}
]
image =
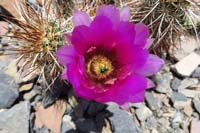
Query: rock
[
  {"x": 187, "y": 65},
  {"x": 197, "y": 105},
  {"x": 136, "y": 105},
  {"x": 146, "y": 131},
  {"x": 4, "y": 62},
  {"x": 154, "y": 131},
  {"x": 151, "y": 122},
  {"x": 178, "y": 118},
  {"x": 184, "y": 48},
  {"x": 163, "y": 82},
  {"x": 67, "y": 124},
  {"x": 30, "y": 95},
  {"x": 179, "y": 100},
  {"x": 106, "y": 128},
  {"x": 188, "y": 110},
  {"x": 196, "y": 73},
  {"x": 166, "y": 101},
  {"x": 26, "y": 87},
  {"x": 37, "y": 99},
  {"x": 175, "y": 126},
  {"x": 178, "y": 97},
  {"x": 81, "y": 108},
  {"x": 166, "y": 112},
  {"x": 186, "y": 124},
  {"x": 164, "y": 125},
  {"x": 175, "y": 83},
  {"x": 94, "y": 108},
  {"x": 16, "y": 119},
  {"x": 89, "y": 108},
  {"x": 86, "y": 125},
  {"x": 121, "y": 120},
  {"x": 42, "y": 130},
  {"x": 187, "y": 82},
  {"x": 195, "y": 115},
  {"x": 8, "y": 91},
  {"x": 189, "y": 93},
  {"x": 195, "y": 126},
  {"x": 195, "y": 87},
  {"x": 72, "y": 100},
  {"x": 87, "y": 113},
  {"x": 32, "y": 126},
  {"x": 12, "y": 70},
  {"x": 143, "y": 113},
  {"x": 3, "y": 131},
  {"x": 153, "y": 102},
  {"x": 178, "y": 130}
]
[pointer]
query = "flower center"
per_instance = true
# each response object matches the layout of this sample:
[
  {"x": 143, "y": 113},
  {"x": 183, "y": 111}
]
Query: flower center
[{"x": 99, "y": 67}]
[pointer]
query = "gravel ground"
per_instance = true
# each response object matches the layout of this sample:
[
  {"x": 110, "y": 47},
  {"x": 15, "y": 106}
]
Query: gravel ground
[{"x": 173, "y": 106}]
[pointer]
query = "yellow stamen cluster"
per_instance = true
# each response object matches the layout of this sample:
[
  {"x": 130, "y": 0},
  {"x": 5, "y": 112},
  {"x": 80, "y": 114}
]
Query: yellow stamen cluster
[{"x": 99, "y": 67}]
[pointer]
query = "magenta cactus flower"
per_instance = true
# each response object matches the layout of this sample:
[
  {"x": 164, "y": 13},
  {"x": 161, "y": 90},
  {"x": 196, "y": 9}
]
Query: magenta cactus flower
[{"x": 107, "y": 59}]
